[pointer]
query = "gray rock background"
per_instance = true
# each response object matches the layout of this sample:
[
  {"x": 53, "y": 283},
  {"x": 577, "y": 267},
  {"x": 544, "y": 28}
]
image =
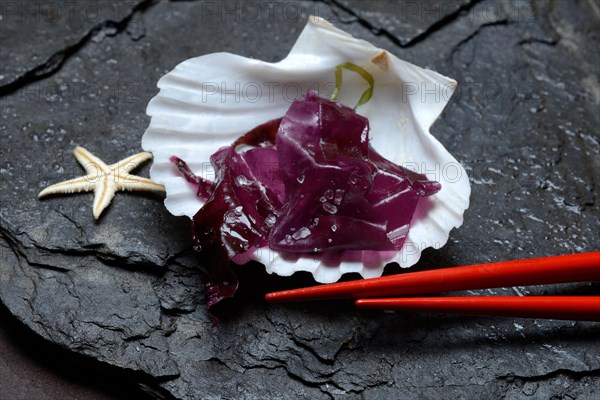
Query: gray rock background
[{"x": 125, "y": 291}]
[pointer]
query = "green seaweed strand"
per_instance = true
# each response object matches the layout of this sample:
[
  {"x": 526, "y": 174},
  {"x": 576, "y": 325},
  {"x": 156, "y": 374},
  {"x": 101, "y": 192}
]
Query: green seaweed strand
[{"x": 366, "y": 96}]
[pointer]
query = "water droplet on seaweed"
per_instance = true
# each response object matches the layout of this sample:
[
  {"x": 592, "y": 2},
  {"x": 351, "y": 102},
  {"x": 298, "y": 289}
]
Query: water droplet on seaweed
[
  {"x": 302, "y": 233},
  {"x": 270, "y": 220},
  {"x": 339, "y": 196},
  {"x": 330, "y": 208},
  {"x": 242, "y": 180}
]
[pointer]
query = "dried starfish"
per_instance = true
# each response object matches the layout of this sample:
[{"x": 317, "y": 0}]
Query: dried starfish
[{"x": 104, "y": 180}]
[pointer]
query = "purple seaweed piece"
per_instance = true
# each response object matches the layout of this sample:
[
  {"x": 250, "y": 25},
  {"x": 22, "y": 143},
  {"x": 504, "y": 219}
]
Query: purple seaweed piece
[{"x": 310, "y": 184}]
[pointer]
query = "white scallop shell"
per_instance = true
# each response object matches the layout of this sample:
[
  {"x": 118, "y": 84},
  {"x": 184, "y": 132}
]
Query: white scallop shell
[{"x": 207, "y": 102}]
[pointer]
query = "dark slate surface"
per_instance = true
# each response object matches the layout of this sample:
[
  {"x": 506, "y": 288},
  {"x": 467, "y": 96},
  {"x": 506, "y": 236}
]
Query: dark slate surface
[
  {"x": 33, "y": 369},
  {"x": 125, "y": 290},
  {"x": 42, "y": 35}
]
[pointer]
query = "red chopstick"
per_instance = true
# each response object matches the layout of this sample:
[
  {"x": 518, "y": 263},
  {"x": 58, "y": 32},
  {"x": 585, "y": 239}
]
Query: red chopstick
[
  {"x": 585, "y": 308},
  {"x": 558, "y": 269}
]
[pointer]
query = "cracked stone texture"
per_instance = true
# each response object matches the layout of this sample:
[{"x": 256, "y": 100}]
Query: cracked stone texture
[
  {"x": 70, "y": 23},
  {"x": 126, "y": 290}
]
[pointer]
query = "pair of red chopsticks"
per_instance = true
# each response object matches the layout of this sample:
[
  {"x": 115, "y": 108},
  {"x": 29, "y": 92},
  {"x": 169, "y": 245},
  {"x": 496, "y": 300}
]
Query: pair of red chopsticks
[{"x": 374, "y": 293}]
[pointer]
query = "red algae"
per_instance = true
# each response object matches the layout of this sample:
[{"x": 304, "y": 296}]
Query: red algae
[{"x": 310, "y": 183}]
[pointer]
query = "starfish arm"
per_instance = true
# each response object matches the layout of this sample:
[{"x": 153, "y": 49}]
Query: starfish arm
[
  {"x": 81, "y": 184},
  {"x": 134, "y": 182},
  {"x": 92, "y": 164},
  {"x": 132, "y": 162},
  {"x": 103, "y": 195}
]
